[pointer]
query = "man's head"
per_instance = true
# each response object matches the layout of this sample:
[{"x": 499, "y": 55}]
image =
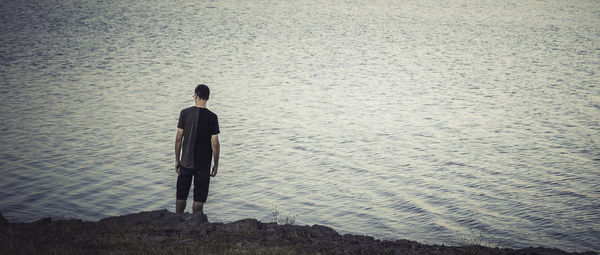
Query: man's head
[{"x": 202, "y": 92}]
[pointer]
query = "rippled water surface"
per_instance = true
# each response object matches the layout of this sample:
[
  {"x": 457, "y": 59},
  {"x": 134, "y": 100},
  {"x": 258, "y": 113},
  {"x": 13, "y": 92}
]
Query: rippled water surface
[{"x": 426, "y": 120}]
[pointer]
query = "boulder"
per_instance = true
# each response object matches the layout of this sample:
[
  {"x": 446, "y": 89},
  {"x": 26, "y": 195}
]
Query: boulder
[
  {"x": 43, "y": 220},
  {"x": 3, "y": 221},
  {"x": 159, "y": 218},
  {"x": 323, "y": 232},
  {"x": 194, "y": 222},
  {"x": 245, "y": 225}
]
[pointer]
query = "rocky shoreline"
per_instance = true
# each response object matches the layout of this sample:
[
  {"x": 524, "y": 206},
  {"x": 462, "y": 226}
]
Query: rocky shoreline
[{"x": 164, "y": 232}]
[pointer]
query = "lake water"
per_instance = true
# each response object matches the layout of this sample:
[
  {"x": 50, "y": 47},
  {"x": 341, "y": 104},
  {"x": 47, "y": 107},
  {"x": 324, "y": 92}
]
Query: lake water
[{"x": 433, "y": 121}]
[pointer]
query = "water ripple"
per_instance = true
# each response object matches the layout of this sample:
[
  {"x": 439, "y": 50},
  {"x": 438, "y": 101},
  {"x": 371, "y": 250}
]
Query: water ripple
[{"x": 421, "y": 121}]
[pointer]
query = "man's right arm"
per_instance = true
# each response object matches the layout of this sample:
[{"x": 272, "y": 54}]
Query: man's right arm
[{"x": 178, "y": 139}]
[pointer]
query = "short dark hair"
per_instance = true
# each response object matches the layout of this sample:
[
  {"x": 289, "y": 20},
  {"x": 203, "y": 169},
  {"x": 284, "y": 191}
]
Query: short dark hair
[{"x": 202, "y": 91}]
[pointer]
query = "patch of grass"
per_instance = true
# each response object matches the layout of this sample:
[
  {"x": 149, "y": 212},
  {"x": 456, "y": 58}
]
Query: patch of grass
[
  {"x": 474, "y": 243},
  {"x": 474, "y": 239},
  {"x": 283, "y": 217}
]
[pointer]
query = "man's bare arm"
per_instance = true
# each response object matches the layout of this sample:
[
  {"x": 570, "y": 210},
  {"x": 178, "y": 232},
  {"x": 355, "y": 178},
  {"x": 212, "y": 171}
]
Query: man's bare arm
[
  {"x": 216, "y": 147},
  {"x": 178, "y": 139}
]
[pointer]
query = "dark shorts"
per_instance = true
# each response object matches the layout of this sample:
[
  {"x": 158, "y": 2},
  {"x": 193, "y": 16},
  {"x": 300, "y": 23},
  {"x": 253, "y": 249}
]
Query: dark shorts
[{"x": 201, "y": 178}]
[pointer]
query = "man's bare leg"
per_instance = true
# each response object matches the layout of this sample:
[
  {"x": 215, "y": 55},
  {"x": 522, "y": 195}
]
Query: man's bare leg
[
  {"x": 180, "y": 206},
  {"x": 198, "y": 206}
]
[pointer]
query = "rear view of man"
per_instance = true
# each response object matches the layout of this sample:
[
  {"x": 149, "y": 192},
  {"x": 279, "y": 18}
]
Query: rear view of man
[{"x": 198, "y": 128}]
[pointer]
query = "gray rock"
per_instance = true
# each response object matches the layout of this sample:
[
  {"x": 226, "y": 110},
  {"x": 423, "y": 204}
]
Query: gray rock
[
  {"x": 542, "y": 251},
  {"x": 323, "y": 231},
  {"x": 159, "y": 239},
  {"x": 270, "y": 225},
  {"x": 43, "y": 220},
  {"x": 195, "y": 218},
  {"x": 245, "y": 225},
  {"x": 186, "y": 241},
  {"x": 159, "y": 218},
  {"x": 163, "y": 226},
  {"x": 3, "y": 221},
  {"x": 197, "y": 222}
]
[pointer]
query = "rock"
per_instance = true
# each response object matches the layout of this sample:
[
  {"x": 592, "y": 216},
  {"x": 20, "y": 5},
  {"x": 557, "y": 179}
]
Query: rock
[
  {"x": 194, "y": 229},
  {"x": 195, "y": 218},
  {"x": 159, "y": 218},
  {"x": 245, "y": 225},
  {"x": 542, "y": 251},
  {"x": 43, "y": 220},
  {"x": 186, "y": 241},
  {"x": 159, "y": 239},
  {"x": 194, "y": 222},
  {"x": 3, "y": 221},
  {"x": 321, "y": 231},
  {"x": 270, "y": 225}
]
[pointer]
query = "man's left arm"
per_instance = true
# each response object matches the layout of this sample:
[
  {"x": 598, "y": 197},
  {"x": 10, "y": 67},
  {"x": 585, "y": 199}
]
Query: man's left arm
[{"x": 216, "y": 147}]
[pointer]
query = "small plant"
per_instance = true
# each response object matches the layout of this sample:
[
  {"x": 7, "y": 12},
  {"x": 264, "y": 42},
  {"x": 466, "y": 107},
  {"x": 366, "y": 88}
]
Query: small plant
[
  {"x": 283, "y": 217},
  {"x": 474, "y": 239}
]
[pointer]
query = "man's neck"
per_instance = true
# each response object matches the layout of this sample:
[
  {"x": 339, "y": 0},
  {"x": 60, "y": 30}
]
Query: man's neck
[{"x": 201, "y": 103}]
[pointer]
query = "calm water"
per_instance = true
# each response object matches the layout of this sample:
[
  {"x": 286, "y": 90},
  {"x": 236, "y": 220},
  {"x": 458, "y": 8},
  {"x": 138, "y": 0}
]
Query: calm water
[{"x": 425, "y": 120}]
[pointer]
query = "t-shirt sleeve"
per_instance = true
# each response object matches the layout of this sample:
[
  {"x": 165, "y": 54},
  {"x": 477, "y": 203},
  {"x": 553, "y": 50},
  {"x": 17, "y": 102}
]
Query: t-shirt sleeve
[
  {"x": 215, "y": 127},
  {"x": 181, "y": 122}
]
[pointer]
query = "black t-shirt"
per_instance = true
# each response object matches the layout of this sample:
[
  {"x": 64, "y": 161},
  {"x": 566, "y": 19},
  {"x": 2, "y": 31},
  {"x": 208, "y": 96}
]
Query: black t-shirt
[{"x": 198, "y": 125}]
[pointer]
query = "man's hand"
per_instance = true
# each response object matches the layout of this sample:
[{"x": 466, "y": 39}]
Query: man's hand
[
  {"x": 216, "y": 147},
  {"x": 214, "y": 171},
  {"x": 178, "y": 140}
]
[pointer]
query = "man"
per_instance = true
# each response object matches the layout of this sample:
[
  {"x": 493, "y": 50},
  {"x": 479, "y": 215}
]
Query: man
[{"x": 198, "y": 127}]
